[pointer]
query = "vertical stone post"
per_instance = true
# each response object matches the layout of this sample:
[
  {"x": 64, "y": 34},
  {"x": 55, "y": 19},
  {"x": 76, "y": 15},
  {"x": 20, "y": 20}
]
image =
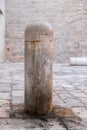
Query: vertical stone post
[{"x": 38, "y": 68}]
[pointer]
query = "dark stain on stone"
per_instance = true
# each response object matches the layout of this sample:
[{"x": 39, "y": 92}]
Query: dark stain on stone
[
  {"x": 45, "y": 34},
  {"x": 58, "y": 114},
  {"x": 1, "y": 11},
  {"x": 8, "y": 49},
  {"x": 63, "y": 112},
  {"x": 57, "y": 111},
  {"x": 61, "y": 118},
  {"x": 35, "y": 41},
  {"x": 51, "y": 40}
]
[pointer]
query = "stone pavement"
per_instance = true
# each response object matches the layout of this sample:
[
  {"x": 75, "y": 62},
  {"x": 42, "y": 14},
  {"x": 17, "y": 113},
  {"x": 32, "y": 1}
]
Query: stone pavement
[{"x": 69, "y": 99}]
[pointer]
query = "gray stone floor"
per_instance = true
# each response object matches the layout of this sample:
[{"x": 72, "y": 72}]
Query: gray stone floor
[{"x": 69, "y": 99}]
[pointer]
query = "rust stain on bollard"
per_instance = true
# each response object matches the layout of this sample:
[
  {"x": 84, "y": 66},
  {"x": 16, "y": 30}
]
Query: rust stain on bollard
[
  {"x": 34, "y": 41},
  {"x": 38, "y": 68}
]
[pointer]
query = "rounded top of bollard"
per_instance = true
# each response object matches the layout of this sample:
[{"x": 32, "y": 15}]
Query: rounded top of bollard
[{"x": 41, "y": 28}]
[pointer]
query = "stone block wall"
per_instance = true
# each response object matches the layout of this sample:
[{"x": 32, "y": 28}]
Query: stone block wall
[
  {"x": 2, "y": 31},
  {"x": 67, "y": 17}
]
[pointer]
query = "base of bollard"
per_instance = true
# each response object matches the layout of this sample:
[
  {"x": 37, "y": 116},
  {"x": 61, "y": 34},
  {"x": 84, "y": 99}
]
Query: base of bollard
[{"x": 38, "y": 113}]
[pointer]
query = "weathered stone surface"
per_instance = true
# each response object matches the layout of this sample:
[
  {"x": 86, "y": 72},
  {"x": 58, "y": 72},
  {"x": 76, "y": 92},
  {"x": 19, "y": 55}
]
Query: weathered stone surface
[
  {"x": 78, "y": 61},
  {"x": 29, "y": 124},
  {"x": 2, "y": 30},
  {"x": 4, "y": 108},
  {"x": 38, "y": 68},
  {"x": 5, "y": 95},
  {"x": 18, "y": 93},
  {"x": 80, "y": 112}
]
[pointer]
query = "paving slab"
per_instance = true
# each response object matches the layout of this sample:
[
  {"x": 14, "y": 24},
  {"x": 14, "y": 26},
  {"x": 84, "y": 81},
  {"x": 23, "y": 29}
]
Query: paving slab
[{"x": 29, "y": 124}]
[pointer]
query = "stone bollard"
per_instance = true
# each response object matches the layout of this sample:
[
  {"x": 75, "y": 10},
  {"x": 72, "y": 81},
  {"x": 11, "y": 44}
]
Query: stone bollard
[{"x": 38, "y": 68}]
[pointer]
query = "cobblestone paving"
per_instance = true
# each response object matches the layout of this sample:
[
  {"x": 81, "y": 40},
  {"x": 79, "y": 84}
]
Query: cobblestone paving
[{"x": 69, "y": 98}]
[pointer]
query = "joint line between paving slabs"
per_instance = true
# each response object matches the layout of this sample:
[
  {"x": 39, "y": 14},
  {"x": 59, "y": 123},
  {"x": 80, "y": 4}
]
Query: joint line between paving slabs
[
  {"x": 11, "y": 106},
  {"x": 63, "y": 123}
]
